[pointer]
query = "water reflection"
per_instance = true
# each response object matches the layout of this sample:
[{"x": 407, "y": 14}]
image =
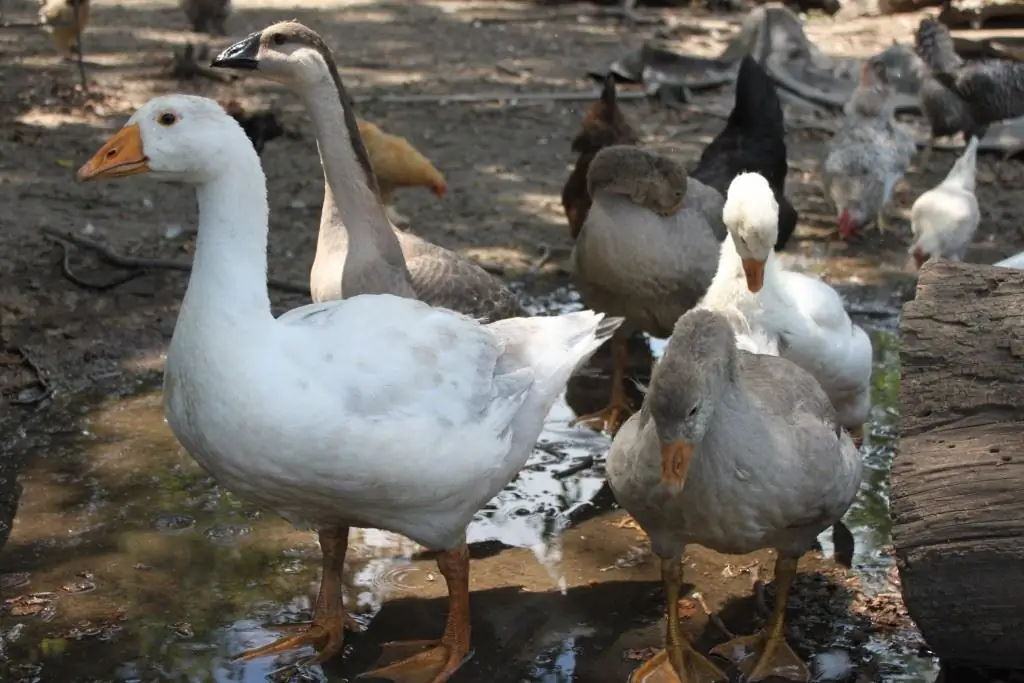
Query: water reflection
[{"x": 128, "y": 563}]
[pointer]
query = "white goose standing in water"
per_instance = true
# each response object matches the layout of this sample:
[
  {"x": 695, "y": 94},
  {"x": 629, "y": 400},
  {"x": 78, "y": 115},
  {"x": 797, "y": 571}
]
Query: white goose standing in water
[{"x": 375, "y": 411}]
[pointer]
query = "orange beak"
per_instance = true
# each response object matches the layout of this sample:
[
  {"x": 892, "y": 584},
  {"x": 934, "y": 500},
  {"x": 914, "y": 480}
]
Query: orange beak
[
  {"x": 754, "y": 270},
  {"x": 121, "y": 156},
  {"x": 919, "y": 257},
  {"x": 675, "y": 462}
]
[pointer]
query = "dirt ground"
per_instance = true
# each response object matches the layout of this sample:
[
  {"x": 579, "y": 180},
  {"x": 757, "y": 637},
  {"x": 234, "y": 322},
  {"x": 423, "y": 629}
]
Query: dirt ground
[{"x": 505, "y": 162}]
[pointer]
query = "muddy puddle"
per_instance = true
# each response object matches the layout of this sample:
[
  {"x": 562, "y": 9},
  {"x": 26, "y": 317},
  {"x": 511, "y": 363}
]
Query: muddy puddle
[{"x": 127, "y": 563}]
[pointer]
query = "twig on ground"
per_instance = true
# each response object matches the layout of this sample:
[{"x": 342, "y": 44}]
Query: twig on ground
[
  {"x": 111, "y": 257},
  {"x": 66, "y": 270},
  {"x": 40, "y": 378},
  {"x": 477, "y": 98},
  {"x": 712, "y": 617},
  {"x": 584, "y": 464}
]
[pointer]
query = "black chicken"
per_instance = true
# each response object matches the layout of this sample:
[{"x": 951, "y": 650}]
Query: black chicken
[
  {"x": 992, "y": 89},
  {"x": 754, "y": 140},
  {"x": 261, "y": 127}
]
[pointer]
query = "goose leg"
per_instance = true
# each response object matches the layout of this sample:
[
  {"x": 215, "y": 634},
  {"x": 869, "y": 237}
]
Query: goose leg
[
  {"x": 773, "y": 657},
  {"x": 326, "y": 632},
  {"x": 678, "y": 662},
  {"x": 613, "y": 415},
  {"x": 436, "y": 661}
]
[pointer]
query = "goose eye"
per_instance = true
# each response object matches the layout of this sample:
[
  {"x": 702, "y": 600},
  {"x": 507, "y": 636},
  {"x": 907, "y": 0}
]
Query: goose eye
[
  {"x": 167, "y": 119},
  {"x": 693, "y": 412}
]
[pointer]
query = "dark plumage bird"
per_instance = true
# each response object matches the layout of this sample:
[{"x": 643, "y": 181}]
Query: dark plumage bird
[
  {"x": 261, "y": 127},
  {"x": 992, "y": 89},
  {"x": 753, "y": 140},
  {"x": 603, "y": 126}
]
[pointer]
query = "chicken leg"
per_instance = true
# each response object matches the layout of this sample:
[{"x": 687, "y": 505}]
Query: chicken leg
[
  {"x": 326, "y": 632},
  {"x": 881, "y": 223},
  {"x": 678, "y": 662},
  {"x": 436, "y": 661},
  {"x": 774, "y": 656},
  {"x": 610, "y": 418}
]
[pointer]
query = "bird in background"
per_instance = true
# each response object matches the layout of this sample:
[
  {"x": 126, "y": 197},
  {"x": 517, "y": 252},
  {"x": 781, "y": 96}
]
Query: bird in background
[
  {"x": 64, "y": 21},
  {"x": 207, "y": 16},
  {"x": 992, "y": 89}
]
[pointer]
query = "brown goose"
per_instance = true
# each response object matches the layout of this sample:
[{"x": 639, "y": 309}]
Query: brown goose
[{"x": 390, "y": 261}]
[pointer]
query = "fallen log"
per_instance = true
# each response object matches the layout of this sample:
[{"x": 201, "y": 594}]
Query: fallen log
[{"x": 957, "y": 499}]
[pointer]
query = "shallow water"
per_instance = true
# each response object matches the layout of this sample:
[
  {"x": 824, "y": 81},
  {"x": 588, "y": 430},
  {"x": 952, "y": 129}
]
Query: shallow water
[{"x": 128, "y": 563}]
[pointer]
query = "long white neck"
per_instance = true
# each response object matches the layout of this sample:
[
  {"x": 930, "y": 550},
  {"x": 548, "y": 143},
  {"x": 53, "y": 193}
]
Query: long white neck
[
  {"x": 228, "y": 285},
  {"x": 729, "y": 285},
  {"x": 353, "y": 221}
]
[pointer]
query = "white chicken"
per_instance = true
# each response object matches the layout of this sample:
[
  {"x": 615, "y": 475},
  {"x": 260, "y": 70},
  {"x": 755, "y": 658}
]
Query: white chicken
[{"x": 945, "y": 218}]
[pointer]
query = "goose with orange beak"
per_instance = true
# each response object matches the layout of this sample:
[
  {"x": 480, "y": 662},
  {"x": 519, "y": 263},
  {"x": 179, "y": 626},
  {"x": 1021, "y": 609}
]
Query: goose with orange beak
[
  {"x": 287, "y": 411},
  {"x": 785, "y": 313},
  {"x": 734, "y": 451}
]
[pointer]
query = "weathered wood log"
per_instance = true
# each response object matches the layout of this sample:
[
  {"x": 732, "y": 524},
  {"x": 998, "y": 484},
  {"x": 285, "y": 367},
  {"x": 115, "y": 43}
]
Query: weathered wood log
[{"x": 957, "y": 498}]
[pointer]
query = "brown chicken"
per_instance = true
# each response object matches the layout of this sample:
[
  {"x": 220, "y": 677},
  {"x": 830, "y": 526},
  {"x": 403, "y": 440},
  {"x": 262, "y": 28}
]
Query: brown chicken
[
  {"x": 604, "y": 125},
  {"x": 58, "y": 19},
  {"x": 398, "y": 164}
]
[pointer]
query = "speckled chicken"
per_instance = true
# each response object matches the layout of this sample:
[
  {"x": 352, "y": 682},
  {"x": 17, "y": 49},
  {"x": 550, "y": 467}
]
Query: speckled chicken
[
  {"x": 992, "y": 89},
  {"x": 946, "y": 113},
  {"x": 867, "y": 156},
  {"x": 945, "y": 218},
  {"x": 207, "y": 16},
  {"x": 58, "y": 19},
  {"x": 753, "y": 140}
]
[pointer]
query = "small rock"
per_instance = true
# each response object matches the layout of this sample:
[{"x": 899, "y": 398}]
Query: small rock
[
  {"x": 173, "y": 522},
  {"x": 183, "y": 629},
  {"x": 225, "y": 534}
]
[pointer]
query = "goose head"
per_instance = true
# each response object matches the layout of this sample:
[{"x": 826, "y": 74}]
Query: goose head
[
  {"x": 752, "y": 216},
  {"x": 286, "y": 52},
  {"x": 174, "y": 137},
  {"x": 696, "y": 370}
]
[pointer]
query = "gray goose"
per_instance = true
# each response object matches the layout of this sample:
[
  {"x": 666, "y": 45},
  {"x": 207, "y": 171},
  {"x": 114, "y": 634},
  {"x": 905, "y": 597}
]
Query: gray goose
[
  {"x": 645, "y": 260},
  {"x": 389, "y": 261},
  {"x": 736, "y": 452}
]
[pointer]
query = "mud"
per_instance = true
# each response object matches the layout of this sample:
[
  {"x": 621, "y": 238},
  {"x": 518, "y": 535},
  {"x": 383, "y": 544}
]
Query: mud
[{"x": 126, "y": 563}]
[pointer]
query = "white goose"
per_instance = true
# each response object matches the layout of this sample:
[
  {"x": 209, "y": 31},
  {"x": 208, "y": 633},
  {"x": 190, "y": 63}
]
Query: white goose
[
  {"x": 780, "y": 312},
  {"x": 377, "y": 411}
]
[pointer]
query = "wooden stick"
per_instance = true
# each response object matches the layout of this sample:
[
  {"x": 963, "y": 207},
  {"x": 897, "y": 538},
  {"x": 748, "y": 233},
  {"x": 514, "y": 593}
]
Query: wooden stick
[
  {"x": 476, "y": 98},
  {"x": 133, "y": 262},
  {"x": 79, "y": 50}
]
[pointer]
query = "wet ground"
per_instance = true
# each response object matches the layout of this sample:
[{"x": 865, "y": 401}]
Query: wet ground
[{"x": 128, "y": 563}]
